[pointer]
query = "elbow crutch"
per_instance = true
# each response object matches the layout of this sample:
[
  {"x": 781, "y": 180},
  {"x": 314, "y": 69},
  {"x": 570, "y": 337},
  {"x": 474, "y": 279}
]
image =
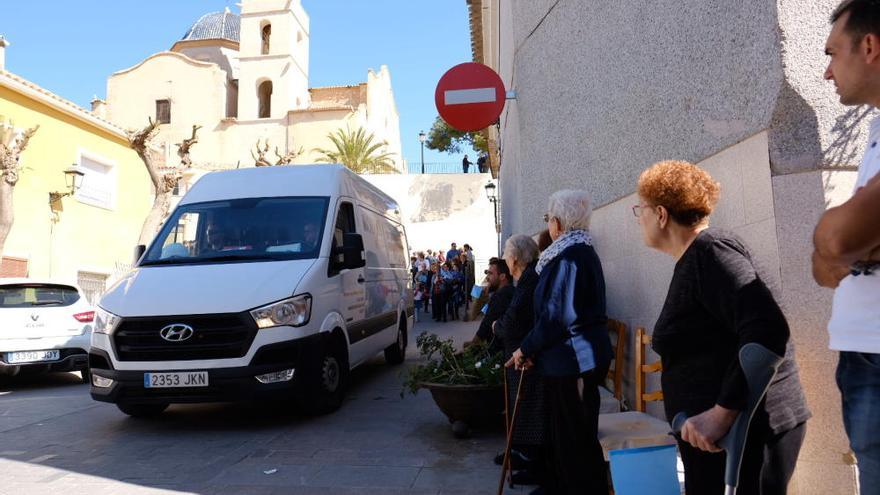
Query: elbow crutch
[{"x": 759, "y": 366}]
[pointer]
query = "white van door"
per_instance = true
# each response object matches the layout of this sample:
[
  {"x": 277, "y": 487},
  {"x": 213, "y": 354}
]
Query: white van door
[{"x": 351, "y": 283}]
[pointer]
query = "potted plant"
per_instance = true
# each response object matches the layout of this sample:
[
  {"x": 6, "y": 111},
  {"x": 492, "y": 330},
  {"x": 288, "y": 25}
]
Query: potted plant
[{"x": 466, "y": 385}]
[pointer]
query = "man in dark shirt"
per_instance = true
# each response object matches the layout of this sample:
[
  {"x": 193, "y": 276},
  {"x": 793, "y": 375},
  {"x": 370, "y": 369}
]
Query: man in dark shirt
[
  {"x": 453, "y": 253},
  {"x": 501, "y": 284},
  {"x": 465, "y": 164}
]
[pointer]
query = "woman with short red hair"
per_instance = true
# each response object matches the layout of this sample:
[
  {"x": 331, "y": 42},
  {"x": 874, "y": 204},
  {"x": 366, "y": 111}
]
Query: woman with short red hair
[{"x": 717, "y": 302}]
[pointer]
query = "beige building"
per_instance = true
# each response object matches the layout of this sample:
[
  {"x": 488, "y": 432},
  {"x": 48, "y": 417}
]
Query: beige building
[
  {"x": 243, "y": 78},
  {"x": 606, "y": 89}
]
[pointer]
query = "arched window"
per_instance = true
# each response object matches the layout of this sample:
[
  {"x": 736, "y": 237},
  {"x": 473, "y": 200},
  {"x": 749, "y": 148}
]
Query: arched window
[
  {"x": 265, "y": 34},
  {"x": 264, "y": 93}
]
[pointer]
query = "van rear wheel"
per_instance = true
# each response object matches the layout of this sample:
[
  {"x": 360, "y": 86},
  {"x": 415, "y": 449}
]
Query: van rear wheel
[{"x": 396, "y": 352}]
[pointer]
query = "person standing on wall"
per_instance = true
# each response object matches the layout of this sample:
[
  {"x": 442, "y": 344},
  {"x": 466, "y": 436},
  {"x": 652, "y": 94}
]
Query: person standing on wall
[
  {"x": 847, "y": 238},
  {"x": 481, "y": 163},
  {"x": 453, "y": 252},
  {"x": 465, "y": 164}
]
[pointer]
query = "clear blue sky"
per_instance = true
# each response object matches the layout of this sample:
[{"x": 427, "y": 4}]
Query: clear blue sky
[{"x": 78, "y": 43}]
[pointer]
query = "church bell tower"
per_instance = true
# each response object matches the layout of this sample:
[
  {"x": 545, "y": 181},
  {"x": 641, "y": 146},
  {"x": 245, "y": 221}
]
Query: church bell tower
[{"x": 273, "y": 59}]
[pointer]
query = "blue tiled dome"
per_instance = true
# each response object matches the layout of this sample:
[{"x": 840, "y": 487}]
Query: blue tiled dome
[{"x": 215, "y": 26}]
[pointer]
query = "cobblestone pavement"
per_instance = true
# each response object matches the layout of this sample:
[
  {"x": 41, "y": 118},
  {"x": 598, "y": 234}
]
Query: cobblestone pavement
[{"x": 55, "y": 439}]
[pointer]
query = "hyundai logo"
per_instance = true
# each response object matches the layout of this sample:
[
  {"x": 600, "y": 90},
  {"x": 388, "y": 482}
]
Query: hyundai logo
[{"x": 176, "y": 332}]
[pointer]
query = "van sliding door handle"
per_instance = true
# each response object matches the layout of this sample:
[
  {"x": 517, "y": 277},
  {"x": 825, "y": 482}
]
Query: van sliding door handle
[{"x": 361, "y": 279}]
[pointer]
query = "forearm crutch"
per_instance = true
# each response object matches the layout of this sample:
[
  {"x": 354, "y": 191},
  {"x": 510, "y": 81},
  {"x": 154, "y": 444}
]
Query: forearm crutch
[
  {"x": 759, "y": 366},
  {"x": 505, "y": 466}
]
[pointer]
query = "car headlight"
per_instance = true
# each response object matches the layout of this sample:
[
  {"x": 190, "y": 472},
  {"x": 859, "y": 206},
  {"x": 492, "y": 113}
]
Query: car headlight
[
  {"x": 105, "y": 322},
  {"x": 292, "y": 312}
]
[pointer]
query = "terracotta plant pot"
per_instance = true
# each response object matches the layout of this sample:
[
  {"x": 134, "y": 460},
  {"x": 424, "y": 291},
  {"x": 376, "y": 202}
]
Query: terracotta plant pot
[{"x": 469, "y": 405}]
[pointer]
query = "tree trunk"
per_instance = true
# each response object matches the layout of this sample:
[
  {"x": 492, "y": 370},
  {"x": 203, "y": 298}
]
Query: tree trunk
[
  {"x": 161, "y": 205},
  {"x": 6, "y": 212}
]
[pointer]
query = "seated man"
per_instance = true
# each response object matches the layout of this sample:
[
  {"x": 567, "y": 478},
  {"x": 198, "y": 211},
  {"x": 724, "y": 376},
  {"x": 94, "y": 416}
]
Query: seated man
[{"x": 501, "y": 285}]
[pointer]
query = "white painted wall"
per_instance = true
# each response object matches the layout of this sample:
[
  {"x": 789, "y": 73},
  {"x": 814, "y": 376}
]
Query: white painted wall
[{"x": 442, "y": 208}]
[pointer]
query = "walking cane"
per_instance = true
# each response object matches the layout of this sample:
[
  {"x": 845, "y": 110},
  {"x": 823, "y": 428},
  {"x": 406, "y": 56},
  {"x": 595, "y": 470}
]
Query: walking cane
[
  {"x": 759, "y": 365},
  {"x": 505, "y": 466},
  {"x": 506, "y": 419}
]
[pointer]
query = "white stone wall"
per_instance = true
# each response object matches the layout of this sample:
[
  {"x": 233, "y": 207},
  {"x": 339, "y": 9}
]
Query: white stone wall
[{"x": 442, "y": 208}]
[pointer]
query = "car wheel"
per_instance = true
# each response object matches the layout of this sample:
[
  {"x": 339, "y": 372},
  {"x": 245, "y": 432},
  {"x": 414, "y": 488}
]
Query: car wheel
[
  {"x": 327, "y": 381},
  {"x": 396, "y": 352},
  {"x": 142, "y": 410}
]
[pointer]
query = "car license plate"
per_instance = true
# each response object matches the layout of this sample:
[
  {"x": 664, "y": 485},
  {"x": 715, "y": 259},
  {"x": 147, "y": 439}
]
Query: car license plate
[
  {"x": 176, "y": 380},
  {"x": 32, "y": 356}
]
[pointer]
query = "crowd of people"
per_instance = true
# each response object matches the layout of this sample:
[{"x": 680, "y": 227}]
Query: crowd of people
[
  {"x": 547, "y": 314},
  {"x": 442, "y": 282}
]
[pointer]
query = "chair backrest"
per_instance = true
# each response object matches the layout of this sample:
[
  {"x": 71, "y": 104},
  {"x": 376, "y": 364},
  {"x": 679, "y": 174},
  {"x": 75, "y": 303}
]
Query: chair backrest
[
  {"x": 643, "y": 369},
  {"x": 617, "y": 333}
]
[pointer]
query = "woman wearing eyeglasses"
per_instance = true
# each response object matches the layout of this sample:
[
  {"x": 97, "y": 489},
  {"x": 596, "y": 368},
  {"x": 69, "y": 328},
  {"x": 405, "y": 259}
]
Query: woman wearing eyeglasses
[
  {"x": 569, "y": 347},
  {"x": 717, "y": 302}
]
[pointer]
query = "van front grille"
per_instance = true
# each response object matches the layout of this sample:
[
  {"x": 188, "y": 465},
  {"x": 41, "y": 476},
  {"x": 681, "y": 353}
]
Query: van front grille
[{"x": 214, "y": 337}]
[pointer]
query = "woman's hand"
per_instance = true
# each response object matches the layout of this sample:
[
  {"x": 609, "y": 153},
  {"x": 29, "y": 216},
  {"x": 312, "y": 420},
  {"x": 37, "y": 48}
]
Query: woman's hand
[
  {"x": 519, "y": 361},
  {"x": 705, "y": 429}
]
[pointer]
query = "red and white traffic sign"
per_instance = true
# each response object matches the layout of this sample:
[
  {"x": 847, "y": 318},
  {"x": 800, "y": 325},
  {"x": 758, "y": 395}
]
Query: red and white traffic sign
[{"x": 470, "y": 96}]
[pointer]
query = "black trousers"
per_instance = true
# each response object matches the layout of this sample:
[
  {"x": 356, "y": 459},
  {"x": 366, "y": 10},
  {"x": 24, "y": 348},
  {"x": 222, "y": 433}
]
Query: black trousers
[
  {"x": 574, "y": 460},
  {"x": 768, "y": 463},
  {"x": 438, "y": 306}
]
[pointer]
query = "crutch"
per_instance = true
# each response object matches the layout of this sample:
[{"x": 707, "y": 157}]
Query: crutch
[
  {"x": 759, "y": 366},
  {"x": 505, "y": 466}
]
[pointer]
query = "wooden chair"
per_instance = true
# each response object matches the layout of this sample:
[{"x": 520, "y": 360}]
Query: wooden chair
[
  {"x": 634, "y": 429},
  {"x": 643, "y": 369},
  {"x": 617, "y": 333}
]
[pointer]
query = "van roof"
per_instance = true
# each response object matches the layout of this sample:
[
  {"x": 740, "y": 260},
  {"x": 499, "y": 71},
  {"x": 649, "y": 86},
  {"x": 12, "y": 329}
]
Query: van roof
[{"x": 291, "y": 180}]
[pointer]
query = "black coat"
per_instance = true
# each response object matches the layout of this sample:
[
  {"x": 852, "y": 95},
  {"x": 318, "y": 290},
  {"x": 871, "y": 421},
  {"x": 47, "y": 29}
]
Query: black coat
[{"x": 517, "y": 321}]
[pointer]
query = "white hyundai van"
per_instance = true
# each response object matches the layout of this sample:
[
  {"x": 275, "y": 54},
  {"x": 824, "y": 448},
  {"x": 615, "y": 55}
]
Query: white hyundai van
[{"x": 270, "y": 281}]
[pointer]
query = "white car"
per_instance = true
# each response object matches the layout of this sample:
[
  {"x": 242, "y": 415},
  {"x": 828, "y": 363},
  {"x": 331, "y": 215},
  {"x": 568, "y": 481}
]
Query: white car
[{"x": 45, "y": 325}]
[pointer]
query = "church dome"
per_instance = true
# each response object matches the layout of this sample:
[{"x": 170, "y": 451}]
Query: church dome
[{"x": 215, "y": 26}]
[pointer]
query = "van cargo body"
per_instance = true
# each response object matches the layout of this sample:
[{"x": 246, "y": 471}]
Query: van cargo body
[{"x": 264, "y": 282}]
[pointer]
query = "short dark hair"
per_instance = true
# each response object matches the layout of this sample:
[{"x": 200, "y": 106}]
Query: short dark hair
[
  {"x": 864, "y": 18},
  {"x": 501, "y": 266}
]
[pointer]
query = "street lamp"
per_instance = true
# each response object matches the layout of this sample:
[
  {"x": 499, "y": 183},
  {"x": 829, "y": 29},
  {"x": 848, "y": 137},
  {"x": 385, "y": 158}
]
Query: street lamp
[
  {"x": 492, "y": 194},
  {"x": 73, "y": 177},
  {"x": 422, "y": 138}
]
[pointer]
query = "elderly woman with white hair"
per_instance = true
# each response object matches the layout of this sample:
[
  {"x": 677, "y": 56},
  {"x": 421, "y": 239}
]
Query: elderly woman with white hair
[
  {"x": 569, "y": 347},
  {"x": 521, "y": 255}
]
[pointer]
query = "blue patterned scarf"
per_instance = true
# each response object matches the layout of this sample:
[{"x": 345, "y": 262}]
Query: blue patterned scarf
[{"x": 567, "y": 239}]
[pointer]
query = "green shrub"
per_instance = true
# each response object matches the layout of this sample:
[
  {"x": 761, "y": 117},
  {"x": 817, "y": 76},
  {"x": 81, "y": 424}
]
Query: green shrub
[{"x": 474, "y": 365}]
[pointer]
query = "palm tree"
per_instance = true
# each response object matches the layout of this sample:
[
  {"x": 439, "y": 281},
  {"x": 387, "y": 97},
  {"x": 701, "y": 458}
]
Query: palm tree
[{"x": 357, "y": 151}]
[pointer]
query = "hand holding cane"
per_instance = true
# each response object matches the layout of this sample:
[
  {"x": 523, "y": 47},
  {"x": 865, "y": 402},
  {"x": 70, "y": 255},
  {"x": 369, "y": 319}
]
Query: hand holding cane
[{"x": 506, "y": 464}]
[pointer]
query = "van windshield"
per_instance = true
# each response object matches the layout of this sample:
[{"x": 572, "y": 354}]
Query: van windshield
[{"x": 251, "y": 229}]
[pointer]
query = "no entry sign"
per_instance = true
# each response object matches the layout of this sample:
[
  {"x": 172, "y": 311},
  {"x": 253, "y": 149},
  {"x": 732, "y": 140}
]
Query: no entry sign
[{"x": 470, "y": 96}]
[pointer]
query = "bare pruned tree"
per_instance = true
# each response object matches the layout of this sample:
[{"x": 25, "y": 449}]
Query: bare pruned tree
[
  {"x": 289, "y": 157},
  {"x": 164, "y": 179},
  {"x": 260, "y": 157},
  {"x": 11, "y": 148}
]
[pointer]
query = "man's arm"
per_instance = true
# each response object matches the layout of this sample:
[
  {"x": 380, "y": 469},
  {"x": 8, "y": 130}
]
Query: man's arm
[
  {"x": 827, "y": 274},
  {"x": 850, "y": 232}
]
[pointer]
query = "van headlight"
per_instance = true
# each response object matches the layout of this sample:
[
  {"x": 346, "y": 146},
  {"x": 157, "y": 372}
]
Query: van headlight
[
  {"x": 292, "y": 312},
  {"x": 105, "y": 322}
]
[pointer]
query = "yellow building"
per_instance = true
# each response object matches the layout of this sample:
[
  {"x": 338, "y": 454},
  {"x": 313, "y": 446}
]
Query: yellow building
[{"x": 88, "y": 236}]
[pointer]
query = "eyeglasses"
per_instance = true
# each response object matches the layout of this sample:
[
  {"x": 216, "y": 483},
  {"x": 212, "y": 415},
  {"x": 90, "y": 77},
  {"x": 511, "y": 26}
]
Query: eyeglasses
[{"x": 637, "y": 209}]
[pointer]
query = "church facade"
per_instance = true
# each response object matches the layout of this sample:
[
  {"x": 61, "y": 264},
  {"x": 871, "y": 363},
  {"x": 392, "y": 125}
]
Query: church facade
[{"x": 244, "y": 78}]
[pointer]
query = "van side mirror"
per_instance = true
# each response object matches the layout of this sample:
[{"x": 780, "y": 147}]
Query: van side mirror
[
  {"x": 352, "y": 251},
  {"x": 138, "y": 253}
]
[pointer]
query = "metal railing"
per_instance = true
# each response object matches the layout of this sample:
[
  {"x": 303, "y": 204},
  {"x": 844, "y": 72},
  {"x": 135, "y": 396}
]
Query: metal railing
[{"x": 441, "y": 168}]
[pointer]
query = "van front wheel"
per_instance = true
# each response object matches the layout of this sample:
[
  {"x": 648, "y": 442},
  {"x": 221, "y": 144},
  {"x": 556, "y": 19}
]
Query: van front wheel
[
  {"x": 328, "y": 382},
  {"x": 396, "y": 352}
]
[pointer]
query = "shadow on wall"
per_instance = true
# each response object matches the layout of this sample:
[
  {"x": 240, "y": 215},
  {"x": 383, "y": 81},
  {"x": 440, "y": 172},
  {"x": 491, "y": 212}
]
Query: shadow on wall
[
  {"x": 436, "y": 202},
  {"x": 843, "y": 152},
  {"x": 793, "y": 137}
]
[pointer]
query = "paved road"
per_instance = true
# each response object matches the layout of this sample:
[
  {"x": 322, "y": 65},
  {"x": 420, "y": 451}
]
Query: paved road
[{"x": 55, "y": 439}]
